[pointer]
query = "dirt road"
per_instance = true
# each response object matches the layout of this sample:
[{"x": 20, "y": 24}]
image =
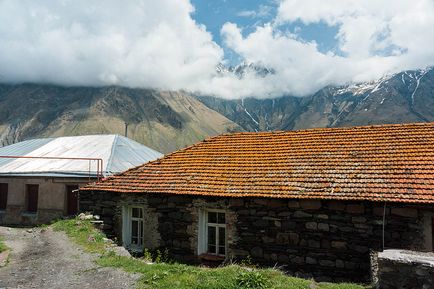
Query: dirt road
[{"x": 43, "y": 258}]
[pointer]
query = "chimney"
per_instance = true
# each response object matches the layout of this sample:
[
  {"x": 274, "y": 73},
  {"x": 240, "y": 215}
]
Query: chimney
[{"x": 126, "y": 129}]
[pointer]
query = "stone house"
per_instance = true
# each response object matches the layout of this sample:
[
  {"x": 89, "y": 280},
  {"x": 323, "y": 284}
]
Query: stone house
[
  {"x": 315, "y": 202},
  {"x": 39, "y": 178}
]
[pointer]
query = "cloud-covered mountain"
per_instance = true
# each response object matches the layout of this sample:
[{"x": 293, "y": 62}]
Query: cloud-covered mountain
[
  {"x": 168, "y": 121},
  {"x": 402, "y": 97}
]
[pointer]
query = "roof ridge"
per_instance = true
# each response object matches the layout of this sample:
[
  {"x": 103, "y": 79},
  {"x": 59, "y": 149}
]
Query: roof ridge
[
  {"x": 319, "y": 129},
  {"x": 112, "y": 152}
]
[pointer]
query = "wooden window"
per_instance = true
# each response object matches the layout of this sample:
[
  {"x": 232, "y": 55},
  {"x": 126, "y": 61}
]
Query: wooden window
[
  {"x": 71, "y": 200},
  {"x": 212, "y": 233},
  {"x": 3, "y": 196},
  {"x": 133, "y": 228},
  {"x": 32, "y": 198}
]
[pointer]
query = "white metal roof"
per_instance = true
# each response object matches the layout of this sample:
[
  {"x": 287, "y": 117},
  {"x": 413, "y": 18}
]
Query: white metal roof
[{"x": 117, "y": 152}]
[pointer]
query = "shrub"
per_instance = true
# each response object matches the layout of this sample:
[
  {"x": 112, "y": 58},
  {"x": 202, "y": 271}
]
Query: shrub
[{"x": 251, "y": 280}]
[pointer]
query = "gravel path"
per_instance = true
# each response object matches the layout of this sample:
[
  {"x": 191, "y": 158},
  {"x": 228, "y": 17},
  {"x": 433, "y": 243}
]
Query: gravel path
[{"x": 43, "y": 258}]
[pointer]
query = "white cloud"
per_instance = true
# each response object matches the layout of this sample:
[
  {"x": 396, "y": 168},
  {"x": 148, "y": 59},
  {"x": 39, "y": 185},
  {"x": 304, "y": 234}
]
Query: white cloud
[
  {"x": 375, "y": 38},
  {"x": 140, "y": 43},
  {"x": 368, "y": 27},
  {"x": 157, "y": 44},
  {"x": 262, "y": 11}
]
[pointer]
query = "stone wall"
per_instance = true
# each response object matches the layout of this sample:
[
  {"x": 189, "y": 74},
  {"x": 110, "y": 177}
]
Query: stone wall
[
  {"x": 405, "y": 269},
  {"x": 327, "y": 240}
]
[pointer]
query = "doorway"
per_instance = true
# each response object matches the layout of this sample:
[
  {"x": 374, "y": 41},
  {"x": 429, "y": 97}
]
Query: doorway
[{"x": 71, "y": 200}]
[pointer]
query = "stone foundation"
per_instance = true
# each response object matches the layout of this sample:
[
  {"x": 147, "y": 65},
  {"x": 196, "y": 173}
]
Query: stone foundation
[
  {"x": 405, "y": 269},
  {"x": 327, "y": 240}
]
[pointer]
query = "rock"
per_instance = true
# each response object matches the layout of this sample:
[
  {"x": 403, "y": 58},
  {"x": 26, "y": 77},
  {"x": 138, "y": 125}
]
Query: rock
[
  {"x": 301, "y": 214},
  {"x": 310, "y": 204},
  {"x": 327, "y": 263},
  {"x": 121, "y": 251},
  {"x": 322, "y": 216},
  {"x": 358, "y": 219},
  {"x": 310, "y": 260},
  {"x": 311, "y": 225},
  {"x": 405, "y": 212},
  {"x": 336, "y": 206},
  {"x": 340, "y": 264},
  {"x": 283, "y": 258},
  {"x": 339, "y": 244},
  {"x": 256, "y": 252},
  {"x": 314, "y": 244},
  {"x": 83, "y": 216},
  {"x": 355, "y": 209},
  {"x": 293, "y": 238},
  {"x": 323, "y": 227},
  {"x": 293, "y": 204},
  {"x": 297, "y": 260}
]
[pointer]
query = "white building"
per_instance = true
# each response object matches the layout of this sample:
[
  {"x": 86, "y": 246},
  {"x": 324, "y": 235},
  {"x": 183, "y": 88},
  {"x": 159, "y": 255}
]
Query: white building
[{"x": 39, "y": 177}]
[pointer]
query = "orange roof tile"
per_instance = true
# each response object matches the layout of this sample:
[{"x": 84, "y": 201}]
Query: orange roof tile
[{"x": 379, "y": 163}]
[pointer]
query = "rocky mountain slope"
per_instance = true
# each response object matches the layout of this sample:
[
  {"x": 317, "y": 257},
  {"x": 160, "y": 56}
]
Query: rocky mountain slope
[
  {"x": 165, "y": 121},
  {"x": 402, "y": 97}
]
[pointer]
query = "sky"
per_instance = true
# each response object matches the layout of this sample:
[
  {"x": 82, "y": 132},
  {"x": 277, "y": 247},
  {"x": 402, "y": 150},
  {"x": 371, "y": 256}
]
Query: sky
[{"x": 177, "y": 44}]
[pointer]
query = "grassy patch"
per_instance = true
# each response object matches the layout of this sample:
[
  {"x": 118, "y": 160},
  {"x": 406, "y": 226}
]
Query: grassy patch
[
  {"x": 3, "y": 247},
  {"x": 83, "y": 233},
  {"x": 164, "y": 275}
]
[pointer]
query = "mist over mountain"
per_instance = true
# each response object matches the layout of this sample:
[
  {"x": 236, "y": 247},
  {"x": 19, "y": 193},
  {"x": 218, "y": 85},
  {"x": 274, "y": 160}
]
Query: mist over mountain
[
  {"x": 167, "y": 121},
  {"x": 403, "y": 97}
]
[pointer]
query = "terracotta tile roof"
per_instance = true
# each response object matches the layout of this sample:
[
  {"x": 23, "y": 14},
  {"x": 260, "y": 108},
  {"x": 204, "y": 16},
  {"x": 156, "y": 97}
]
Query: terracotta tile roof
[{"x": 377, "y": 163}]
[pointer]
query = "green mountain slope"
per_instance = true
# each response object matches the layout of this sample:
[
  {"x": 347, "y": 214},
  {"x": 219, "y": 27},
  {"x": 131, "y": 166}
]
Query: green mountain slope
[{"x": 165, "y": 121}]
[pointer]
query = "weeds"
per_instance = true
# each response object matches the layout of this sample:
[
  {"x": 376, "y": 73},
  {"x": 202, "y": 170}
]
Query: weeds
[
  {"x": 3, "y": 247},
  {"x": 164, "y": 273}
]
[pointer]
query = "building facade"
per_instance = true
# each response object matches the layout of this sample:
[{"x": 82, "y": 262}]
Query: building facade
[
  {"x": 39, "y": 179},
  {"x": 315, "y": 202}
]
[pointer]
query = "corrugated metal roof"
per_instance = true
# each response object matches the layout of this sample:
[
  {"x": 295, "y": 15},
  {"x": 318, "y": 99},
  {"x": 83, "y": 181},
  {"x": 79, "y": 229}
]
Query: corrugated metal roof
[{"x": 117, "y": 152}]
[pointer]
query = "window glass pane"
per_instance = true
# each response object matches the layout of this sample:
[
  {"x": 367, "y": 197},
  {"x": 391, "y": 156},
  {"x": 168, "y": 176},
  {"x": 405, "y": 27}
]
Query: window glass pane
[
  {"x": 221, "y": 218},
  {"x": 212, "y": 249},
  {"x": 222, "y": 236},
  {"x": 212, "y": 240},
  {"x": 134, "y": 232},
  {"x": 136, "y": 213},
  {"x": 3, "y": 196},
  {"x": 212, "y": 217},
  {"x": 222, "y": 250},
  {"x": 140, "y": 241}
]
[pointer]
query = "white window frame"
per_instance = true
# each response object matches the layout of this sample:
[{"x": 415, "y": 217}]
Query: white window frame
[
  {"x": 203, "y": 232},
  {"x": 127, "y": 218}
]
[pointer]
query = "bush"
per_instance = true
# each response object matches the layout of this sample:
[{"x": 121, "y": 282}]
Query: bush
[
  {"x": 157, "y": 256},
  {"x": 251, "y": 280}
]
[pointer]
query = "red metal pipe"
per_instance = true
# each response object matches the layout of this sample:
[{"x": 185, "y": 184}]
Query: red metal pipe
[{"x": 99, "y": 161}]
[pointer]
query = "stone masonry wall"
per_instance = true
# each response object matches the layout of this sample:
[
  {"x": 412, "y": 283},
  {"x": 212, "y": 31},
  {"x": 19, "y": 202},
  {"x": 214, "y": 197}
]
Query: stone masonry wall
[
  {"x": 327, "y": 240},
  {"x": 405, "y": 269}
]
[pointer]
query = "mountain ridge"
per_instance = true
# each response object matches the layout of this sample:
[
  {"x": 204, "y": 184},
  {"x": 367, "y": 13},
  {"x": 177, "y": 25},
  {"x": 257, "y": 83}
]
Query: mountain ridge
[{"x": 170, "y": 120}]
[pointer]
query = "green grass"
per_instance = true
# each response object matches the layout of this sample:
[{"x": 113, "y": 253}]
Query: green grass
[
  {"x": 3, "y": 247},
  {"x": 83, "y": 233},
  {"x": 165, "y": 275}
]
